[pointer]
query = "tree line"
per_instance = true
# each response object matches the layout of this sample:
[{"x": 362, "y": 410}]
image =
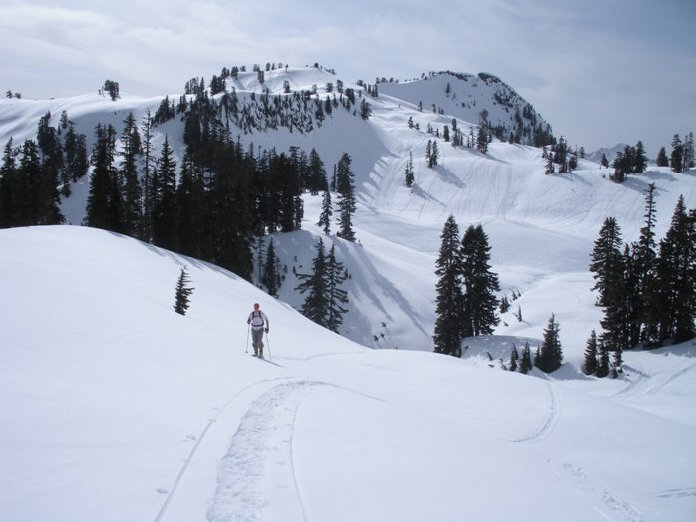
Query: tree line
[
  {"x": 35, "y": 174},
  {"x": 647, "y": 290}
]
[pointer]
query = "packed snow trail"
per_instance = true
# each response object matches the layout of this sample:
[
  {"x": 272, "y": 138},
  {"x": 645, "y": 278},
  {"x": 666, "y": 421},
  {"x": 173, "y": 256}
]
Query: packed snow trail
[{"x": 256, "y": 480}]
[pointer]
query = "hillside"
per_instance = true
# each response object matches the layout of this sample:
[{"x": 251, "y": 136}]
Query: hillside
[
  {"x": 115, "y": 408},
  {"x": 541, "y": 228}
]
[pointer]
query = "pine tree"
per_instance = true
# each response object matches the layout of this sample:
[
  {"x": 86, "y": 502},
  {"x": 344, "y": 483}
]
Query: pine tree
[
  {"x": 677, "y": 158},
  {"x": 662, "y": 160},
  {"x": 514, "y": 356},
  {"x": 550, "y": 354},
  {"x": 606, "y": 257},
  {"x": 192, "y": 208},
  {"x": 346, "y": 198},
  {"x": 326, "y": 213},
  {"x": 336, "y": 296},
  {"x": 480, "y": 284},
  {"x": 132, "y": 204},
  {"x": 271, "y": 276},
  {"x": 590, "y": 366},
  {"x": 640, "y": 161},
  {"x": 8, "y": 180},
  {"x": 449, "y": 299},
  {"x": 526, "y": 359},
  {"x": 315, "y": 305},
  {"x": 147, "y": 158},
  {"x": 104, "y": 199},
  {"x": 409, "y": 170},
  {"x": 434, "y": 155},
  {"x": 643, "y": 324},
  {"x": 676, "y": 278},
  {"x": 689, "y": 159},
  {"x": 603, "y": 363},
  {"x": 164, "y": 200},
  {"x": 183, "y": 292}
]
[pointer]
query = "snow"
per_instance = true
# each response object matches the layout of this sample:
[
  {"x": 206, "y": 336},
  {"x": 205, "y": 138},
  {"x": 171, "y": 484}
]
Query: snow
[{"x": 115, "y": 408}]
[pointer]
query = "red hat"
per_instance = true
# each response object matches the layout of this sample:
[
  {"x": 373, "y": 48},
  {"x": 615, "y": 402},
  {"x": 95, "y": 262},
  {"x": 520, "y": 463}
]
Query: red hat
[{"x": 256, "y": 305}]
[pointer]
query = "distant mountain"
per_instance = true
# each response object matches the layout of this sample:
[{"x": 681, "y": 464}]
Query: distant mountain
[{"x": 610, "y": 153}]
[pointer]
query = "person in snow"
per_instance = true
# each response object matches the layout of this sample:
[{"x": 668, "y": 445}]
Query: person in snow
[{"x": 259, "y": 323}]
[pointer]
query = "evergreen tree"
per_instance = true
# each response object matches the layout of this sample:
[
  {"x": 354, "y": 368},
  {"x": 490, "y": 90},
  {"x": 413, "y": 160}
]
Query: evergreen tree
[
  {"x": 326, "y": 213},
  {"x": 336, "y": 296},
  {"x": 514, "y": 356},
  {"x": 640, "y": 161},
  {"x": 604, "y": 162},
  {"x": 317, "y": 174},
  {"x": 271, "y": 276},
  {"x": 8, "y": 181},
  {"x": 147, "y": 158},
  {"x": 480, "y": 284},
  {"x": 449, "y": 299},
  {"x": 643, "y": 266},
  {"x": 315, "y": 305},
  {"x": 76, "y": 157},
  {"x": 606, "y": 260},
  {"x": 482, "y": 139},
  {"x": 590, "y": 366},
  {"x": 676, "y": 277},
  {"x": 662, "y": 160},
  {"x": 603, "y": 363},
  {"x": 192, "y": 208},
  {"x": 689, "y": 159},
  {"x": 677, "y": 158},
  {"x": 434, "y": 155},
  {"x": 164, "y": 200},
  {"x": 526, "y": 359},
  {"x": 183, "y": 293},
  {"x": 132, "y": 204},
  {"x": 409, "y": 170},
  {"x": 346, "y": 198},
  {"x": 104, "y": 199},
  {"x": 550, "y": 355}
]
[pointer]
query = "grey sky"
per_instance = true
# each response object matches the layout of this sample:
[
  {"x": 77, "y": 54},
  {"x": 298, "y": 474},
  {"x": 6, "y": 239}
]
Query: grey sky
[{"x": 600, "y": 71}]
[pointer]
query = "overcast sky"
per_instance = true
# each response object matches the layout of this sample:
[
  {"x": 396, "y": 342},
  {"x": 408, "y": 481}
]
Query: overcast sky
[{"x": 599, "y": 71}]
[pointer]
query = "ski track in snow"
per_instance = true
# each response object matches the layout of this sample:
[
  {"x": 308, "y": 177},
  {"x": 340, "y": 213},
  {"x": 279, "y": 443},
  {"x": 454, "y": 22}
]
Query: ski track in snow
[
  {"x": 257, "y": 475},
  {"x": 257, "y": 479},
  {"x": 678, "y": 493},
  {"x": 551, "y": 419},
  {"x": 592, "y": 488},
  {"x": 182, "y": 471}
]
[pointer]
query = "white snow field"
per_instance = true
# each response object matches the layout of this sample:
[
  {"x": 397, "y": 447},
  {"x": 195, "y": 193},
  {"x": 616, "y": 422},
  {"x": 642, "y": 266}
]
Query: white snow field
[{"x": 115, "y": 408}]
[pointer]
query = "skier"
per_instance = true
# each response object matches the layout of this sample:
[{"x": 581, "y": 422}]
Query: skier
[{"x": 259, "y": 323}]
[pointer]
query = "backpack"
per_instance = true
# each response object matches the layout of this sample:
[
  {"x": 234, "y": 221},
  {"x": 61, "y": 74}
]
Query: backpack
[{"x": 257, "y": 319}]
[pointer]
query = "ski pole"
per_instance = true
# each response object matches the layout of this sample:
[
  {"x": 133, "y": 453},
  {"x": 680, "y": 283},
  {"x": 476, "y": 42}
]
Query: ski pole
[
  {"x": 269, "y": 347},
  {"x": 246, "y": 348}
]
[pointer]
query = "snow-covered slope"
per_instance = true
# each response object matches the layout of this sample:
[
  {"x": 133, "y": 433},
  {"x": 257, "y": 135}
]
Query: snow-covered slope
[{"x": 115, "y": 408}]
